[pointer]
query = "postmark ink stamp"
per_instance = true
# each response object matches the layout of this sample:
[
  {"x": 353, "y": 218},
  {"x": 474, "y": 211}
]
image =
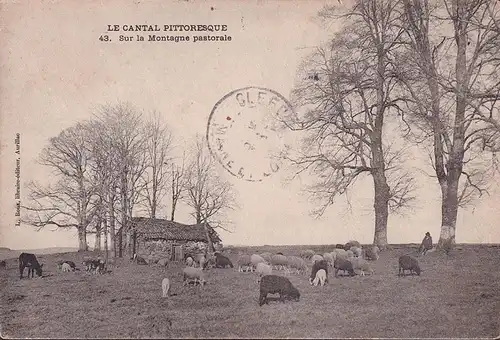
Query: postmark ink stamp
[{"x": 243, "y": 132}]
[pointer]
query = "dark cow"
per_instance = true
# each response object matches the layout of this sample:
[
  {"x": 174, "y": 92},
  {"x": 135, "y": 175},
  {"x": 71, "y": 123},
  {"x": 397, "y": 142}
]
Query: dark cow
[{"x": 30, "y": 261}]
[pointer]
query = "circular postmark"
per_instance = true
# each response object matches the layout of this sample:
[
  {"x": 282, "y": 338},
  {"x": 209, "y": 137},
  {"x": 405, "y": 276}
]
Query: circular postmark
[{"x": 243, "y": 132}]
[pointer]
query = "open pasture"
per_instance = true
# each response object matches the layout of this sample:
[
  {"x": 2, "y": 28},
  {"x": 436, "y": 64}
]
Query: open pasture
[{"x": 456, "y": 296}]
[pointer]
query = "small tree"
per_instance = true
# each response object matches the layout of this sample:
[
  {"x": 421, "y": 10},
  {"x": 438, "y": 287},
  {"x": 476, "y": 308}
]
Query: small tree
[{"x": 206, "y": 192}]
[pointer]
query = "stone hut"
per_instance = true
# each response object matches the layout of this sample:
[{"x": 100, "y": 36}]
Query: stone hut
[{"x": 159, "y": 238}]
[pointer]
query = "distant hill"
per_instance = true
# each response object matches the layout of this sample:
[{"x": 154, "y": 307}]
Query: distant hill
[{"x": 6, "y": 253}]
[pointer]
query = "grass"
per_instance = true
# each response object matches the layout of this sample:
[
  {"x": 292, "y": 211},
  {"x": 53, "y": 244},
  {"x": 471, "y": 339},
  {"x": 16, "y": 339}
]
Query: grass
[{"x": 456, "y": 296}]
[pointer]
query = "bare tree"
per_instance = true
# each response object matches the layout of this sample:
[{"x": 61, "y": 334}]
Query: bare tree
[
  {"x": 208, "y": 194},
  {"x": 125, "y": 133},
  {"x": 156, "y": 177},
  {"x": 452, "y": 82},
  {"x": 104, "y": 175},
  {"x": 178, "y": 184},
  {"x": 345, "y": 91},
  {"x": 67, "y": 203}
]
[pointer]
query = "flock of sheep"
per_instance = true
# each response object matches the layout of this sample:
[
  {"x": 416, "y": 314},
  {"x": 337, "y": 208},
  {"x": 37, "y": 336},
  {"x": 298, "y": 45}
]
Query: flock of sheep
[{"x": 350, "y": 258}]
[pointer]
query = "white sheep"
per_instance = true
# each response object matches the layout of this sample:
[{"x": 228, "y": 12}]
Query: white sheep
[
  {"x": 66, "y": 267},
  {"x": 165, "y": 287},
  {"x": 266, "y": 256},
  {"x": 350, "y": 254},
  {"x": 192, "y": 273},
  {"x": 334, "y": 255},
  {"x": 361, "y": 265},
  {"x": 263, "y": 269},
  {"x": 316, "y": 257},
  {"x": 329, "y": 259},
  {"x": 297, "y": 263},
  {"x": 320, "y": 278},
  {"x": 256, "y": 259},
  {"x": 279, "y": 261},
  {"x": 202, "y": 261},
  {"x": 357, "y": 251},
  {"x": 244, "y": 263},
  {"x": 341, "y": 253},
  {"x": 189, "y": 261}
]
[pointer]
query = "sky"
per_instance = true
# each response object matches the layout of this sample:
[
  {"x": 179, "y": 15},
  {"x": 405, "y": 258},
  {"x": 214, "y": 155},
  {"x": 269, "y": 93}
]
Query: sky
[{"x": 55, "y": 71}]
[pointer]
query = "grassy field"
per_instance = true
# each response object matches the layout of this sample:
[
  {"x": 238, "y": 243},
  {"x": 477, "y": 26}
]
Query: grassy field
[{"x": 456, "y": 296}]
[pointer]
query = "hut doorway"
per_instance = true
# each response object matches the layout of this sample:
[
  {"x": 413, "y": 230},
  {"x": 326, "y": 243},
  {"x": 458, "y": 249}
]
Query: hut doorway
[{"x": 177, "y": 253}]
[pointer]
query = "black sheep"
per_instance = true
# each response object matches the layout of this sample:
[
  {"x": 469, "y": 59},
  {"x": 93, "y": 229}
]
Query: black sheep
[
  {"x": 322, "y": 264},
  {"x": 274, "y": 284},
  {"x": 343, "y": 264},
  {"x": 407, "y": 262},
  {"x": 3, "y": 264},
  {"x": 339, "y": 246},
  {"x": 222, "y": 261}
]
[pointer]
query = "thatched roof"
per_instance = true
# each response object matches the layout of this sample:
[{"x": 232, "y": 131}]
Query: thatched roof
[{"x": 155, "y": 228}]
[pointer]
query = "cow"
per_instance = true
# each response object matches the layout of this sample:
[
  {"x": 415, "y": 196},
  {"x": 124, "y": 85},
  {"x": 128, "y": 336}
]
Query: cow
[{"x": 30, "y": 261}]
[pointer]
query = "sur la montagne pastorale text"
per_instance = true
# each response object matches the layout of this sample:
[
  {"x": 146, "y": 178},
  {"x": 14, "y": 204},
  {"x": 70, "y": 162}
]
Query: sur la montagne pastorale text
[
  {"x": 170, "y": 28},
  {"x": 175, "y": 38}
]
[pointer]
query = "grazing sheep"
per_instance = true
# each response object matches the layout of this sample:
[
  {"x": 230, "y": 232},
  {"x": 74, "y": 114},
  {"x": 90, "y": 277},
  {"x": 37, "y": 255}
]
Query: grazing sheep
[
  {"x": 163, "y": 262},
  {"x": 307, "y": 254},
  {"x": 320, "y": 278},
  {"x": 334, "y": 255},
  {"x": 362, "y": 265},
  {"x": 318, "y": 266},
  {"x": 316, "y": 258},
  {"x": 193, "y": 274},
  {"x": 350, "y": 254},
  {"x": 344, "y": 265},
  {"x": 31, "y": 262},
  {"x": 165, "y": 287},
  {"x": 341, "y": 253},
  {"x": 65, "y": 267},
  {"x": 266, "y": 256},
  {"x": 3, "y": 264},
  {"x": 274, "y": 284},
  {"x": 372, "y": 253},
  {"x": 329, "y": 259},
  {"x": 263, "y": 269},
  {"x": 297, "y": 263},
  {"x": 189, "y": 261},
  {"x": 279, "y": 261},
  {"x": 256, "y": 259},
  {"x": 351, "y": 244},
  {"x": 407, "y": 262},
  {"x": 244, "y": 263},
  {"x": 222, "y": 261},
  {"x": 339, "y": 246},
  {"x": 357, "y": 251},
  {"x": 279, "y": 253},
  {"x": 203, "y": 262}
]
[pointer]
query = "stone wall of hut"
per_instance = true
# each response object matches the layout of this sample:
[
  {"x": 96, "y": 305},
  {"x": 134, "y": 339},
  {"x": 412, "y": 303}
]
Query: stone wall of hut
[{"x": 155, "y": 249}]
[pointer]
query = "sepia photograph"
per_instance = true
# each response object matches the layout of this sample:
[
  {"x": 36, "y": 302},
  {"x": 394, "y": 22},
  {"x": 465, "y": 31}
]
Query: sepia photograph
[{"x": 250, "y": 169}]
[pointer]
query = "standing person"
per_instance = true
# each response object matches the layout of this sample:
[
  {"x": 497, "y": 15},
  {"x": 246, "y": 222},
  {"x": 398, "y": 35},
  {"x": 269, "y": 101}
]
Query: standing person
[{"x": 426, "y": 244}]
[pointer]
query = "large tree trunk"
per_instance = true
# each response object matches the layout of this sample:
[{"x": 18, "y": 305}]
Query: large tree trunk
[
  {"x": 105, "y": 233},
  {"x": 97, "y": 245},
  {"x": 82, "y": 238},
  {"x": 124, "y": 228},
  {"x": 174, "y": 203},
  {"x": 449, "y": 211},
  {"x": 209, "y": 239},
  {"x": 112, "y": 234},
  {"x": 380, "y": 204}
]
